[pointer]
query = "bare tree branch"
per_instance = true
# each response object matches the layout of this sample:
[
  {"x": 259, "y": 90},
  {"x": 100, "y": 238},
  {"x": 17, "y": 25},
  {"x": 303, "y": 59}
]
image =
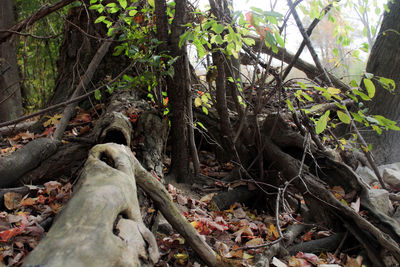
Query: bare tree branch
[{"x": 41, "y": 13}]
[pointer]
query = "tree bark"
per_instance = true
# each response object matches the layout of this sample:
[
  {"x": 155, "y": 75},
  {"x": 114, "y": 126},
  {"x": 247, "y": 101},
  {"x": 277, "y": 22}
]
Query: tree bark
[
  {"x": 177, "y": 87},
  {"x": 10, "y": 93},
  {"x": 384, "y": 61}
]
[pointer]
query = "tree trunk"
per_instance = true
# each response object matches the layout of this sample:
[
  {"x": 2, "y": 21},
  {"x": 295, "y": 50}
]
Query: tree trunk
[
  {"x": 384, "y": 61},
  {"x": 177, "y": 87},
  {"x": 10, "y": 94}
]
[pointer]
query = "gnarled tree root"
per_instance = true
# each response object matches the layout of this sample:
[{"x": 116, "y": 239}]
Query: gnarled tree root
[{"x": 88, "y": 232}]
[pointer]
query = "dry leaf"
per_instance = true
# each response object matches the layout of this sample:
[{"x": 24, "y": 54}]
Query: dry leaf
[
  {"x": 53, "y": 120},
  {"x": 11, "y": 200},
  {"x": 356, "y": 205},
  {"x": 351, "y": 262},
  {"x": 278, "y": 263},
  {"x": 239, "y": 213},
  {"x": 255, "y": 242},
  {"x": 207, "y": 198}
]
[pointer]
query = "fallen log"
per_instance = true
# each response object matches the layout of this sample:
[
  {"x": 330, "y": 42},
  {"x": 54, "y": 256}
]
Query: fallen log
[{"x": 13, "y": 167}]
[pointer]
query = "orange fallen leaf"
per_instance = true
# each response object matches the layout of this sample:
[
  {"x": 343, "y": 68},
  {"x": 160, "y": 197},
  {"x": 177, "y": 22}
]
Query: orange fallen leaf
[
  {"x": 8, "y": 234},
  {"x": 28, "y": 201}
]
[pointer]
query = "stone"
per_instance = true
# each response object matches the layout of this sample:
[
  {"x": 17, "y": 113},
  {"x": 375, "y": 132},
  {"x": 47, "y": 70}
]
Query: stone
[
  {"x": 380, "y": 199},
  {"x": 391, "y": 177},
  {"x": 367, "y": 175}
]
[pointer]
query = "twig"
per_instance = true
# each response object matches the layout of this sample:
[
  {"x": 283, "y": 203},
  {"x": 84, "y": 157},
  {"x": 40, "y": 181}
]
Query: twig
[
  {"x": 41, "y": 13},
  {"x": 308, "y": 42},
  {"x": 31, "y": 35}
]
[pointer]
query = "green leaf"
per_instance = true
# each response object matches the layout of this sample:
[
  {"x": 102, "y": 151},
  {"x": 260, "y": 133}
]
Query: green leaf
[
  {"x": 279, "y": 39},
  {"x": 93, "y": 1},
  {"x": 133, "y": 12},
  {"x": 197, "y": 102},
  {"x": 200, "y": 49},
  {"x": 205, "y": 110},
  {"x": 217, "y": 28},
  {"x": 151, "y": 3},
  {"x": 362, "y": 95},
  {"x": 333, "y": 91},
  {"x": 322, "y": 122},
  {"x": 97, "y": 94},
  {"x": 249, "y": 41},
  {"x": 302, "y": 85},
  {"x": 315, "y": 108},
  {"x": 369, "y": 75},
  {"x": 127, "y": 78},
  {"x": 201, "y": 125},
  {"x": 123, "y": 3},
  {"x": 370, "y": 87},
  {"x": 343, "y": 117},
  {"x": 100, "y": 19},
  {"x": 290, "y": 105},
  {"x": 354, "y": 83},
  {"x": 388, "y": 84}
]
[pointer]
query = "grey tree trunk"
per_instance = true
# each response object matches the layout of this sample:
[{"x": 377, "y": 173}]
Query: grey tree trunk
[
  {"x": 10, "y": 94},
  {"x": 384, "y": 61}
]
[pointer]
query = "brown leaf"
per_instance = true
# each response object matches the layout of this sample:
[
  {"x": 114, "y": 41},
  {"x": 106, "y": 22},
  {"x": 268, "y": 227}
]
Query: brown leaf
[
  {"x": 255, "y": 242},
  {"x": 338, "y": 192},
  {"x": 207, "y": 198},
  {"x": 11, "y": 200},
  {"x": 239, "y": 213},
  {"x": 353, "y": 262},
  {"x": 52, "y": 185}
]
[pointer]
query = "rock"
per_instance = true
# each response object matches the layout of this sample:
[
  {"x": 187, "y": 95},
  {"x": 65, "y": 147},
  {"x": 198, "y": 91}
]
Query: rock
[
  {"x": 367, "y": 175},
  {"x": 380, "y": 199},
  {"x": 391, "y": 177}
]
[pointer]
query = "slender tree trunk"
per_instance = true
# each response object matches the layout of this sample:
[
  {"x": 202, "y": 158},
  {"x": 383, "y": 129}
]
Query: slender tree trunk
[
  {"x": 177, "y": 87},
  {"x": 10, "y": 94},
  {"x": 384, "y": 61}
]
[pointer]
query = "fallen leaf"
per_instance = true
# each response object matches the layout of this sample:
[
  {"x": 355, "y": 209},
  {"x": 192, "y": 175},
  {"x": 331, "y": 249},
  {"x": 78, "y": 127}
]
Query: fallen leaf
[
  {"x": 278, "y": 263},
  {"x": 182, "y": 200},
  {"x": 52, "y": 185},
  {"x": 247, "y": 256},
  {"x": 243, "y": 231},
  {"x": 11, "y": 200},
  {"x": 310, "y": 257},
  {"x": 27, "y": 135},
  {"x": 53, "y": 120},
  {"x": 356, "y": 205},
  {"x": 353, "y": 262},
  {"x": 47, "y": 131},
  {"x": 239, "y": 213},
  {"x": 207, "y": 198},
  {"x": 28, "y": 201},
  {"x": 236, "y": 253},
  {"x": 255, "y": 241},
  {"x": 295, "y": 262},
  {"x": 272, "y": 232},
  {"x": 8, "y": 234},
  {"x": 306, "y": 237}
]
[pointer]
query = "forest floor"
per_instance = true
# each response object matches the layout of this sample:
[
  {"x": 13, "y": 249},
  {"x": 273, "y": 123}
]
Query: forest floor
[{"x": 238, "y": 233}]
